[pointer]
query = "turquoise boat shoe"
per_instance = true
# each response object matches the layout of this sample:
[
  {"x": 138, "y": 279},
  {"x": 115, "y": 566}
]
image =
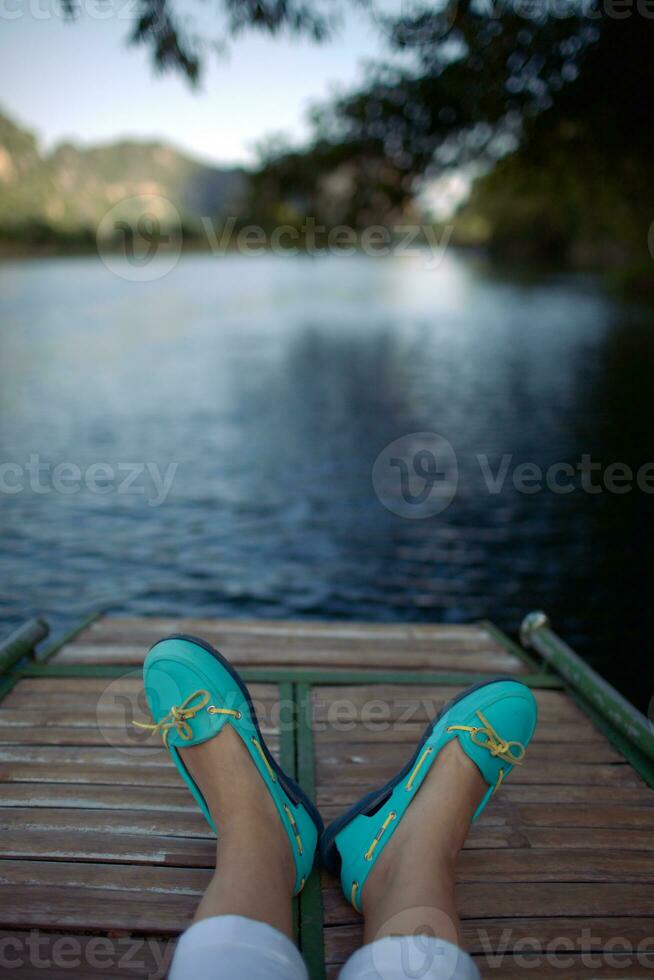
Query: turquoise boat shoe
[
  {"x": 193, "y": 692},
  {"x": 493, "y": 721}
]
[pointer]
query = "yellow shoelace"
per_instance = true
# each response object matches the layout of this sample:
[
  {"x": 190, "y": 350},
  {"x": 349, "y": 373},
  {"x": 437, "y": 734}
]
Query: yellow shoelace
[
  {"x": 270, "y": 769},
  {"x": 296, "y": 832},
  {"x": 486, "y": 737},
  {"x": 417, "y": 768},
  {"x": 179, "y": 716},
  {"x": 483, "y": 735},
  {"x": 378, "y": 836}
]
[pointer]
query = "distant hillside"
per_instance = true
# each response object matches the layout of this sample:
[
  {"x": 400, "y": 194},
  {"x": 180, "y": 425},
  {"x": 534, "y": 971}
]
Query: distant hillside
[{"x": 64, "y": 194}]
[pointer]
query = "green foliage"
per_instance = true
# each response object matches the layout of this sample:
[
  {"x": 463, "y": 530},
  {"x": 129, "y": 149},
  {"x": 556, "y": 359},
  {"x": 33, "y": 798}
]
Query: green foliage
[
  {"x": 559, "y": 94},
  {"x": 63, "y": 196},
  {"x": 557, "y": 108},
  {"x": 175, "y": 46},
  {"x": 578, "y": 187}
]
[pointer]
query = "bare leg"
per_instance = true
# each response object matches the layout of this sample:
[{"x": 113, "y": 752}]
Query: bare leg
[
  {"x": 255, "y": 871},
  {"x": 410, "y": 890}
]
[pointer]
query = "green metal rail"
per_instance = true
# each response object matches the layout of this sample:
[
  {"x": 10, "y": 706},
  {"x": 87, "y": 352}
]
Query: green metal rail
[
  {"x": 621, "y": 722},
  {"x": 21, "y": 643}
]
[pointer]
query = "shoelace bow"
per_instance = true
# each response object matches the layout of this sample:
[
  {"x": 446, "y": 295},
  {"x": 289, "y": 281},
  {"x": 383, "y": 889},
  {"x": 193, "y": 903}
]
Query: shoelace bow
[
  {"x": 486, "y": 737},
  {"x": 483, "y": 735},
  {"x": 179, "y": 716}
]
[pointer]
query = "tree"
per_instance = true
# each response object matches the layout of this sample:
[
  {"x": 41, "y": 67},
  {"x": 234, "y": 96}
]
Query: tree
[
  {"x": 478, "y": 70},
  {"x": 466, "y": 80}
]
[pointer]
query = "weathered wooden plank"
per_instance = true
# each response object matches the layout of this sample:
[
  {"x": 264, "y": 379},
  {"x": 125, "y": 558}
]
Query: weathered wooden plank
[
  {"x": 499, "y": 937},
  {"x": 551, "y": 864},
  {"x": 106, "y": 877},
  {"x": 420, "y": 704},
  {"x": 475, "y": 864},
  {"x": 168, "y": 823},
  {"x": 557, "y": 773},
  {"x": 96, "y": 716},
  {"x": 570, "y": 815},
  {"x": 61, "y": 735},
  {"x": 514, "y": 900},
  {"x": 46, "y": 688},
  {"x": 330, "y": 640},
  {"x": 304, "y": 629},
  {"x": 94, "y": 755},
  {"x": 52, "y": 907},
  {"x": 549, "y": 967},
  {"x": 588, "y": 837},
  {"x": 85, "y": 845},
  {"x": 483, "y": 865},
  {"x": 507, "y": 835},
  {"x": 127, "y": 776},
  {"x": 308, "y": 644},
  {"x": 81, "y": 796},
  {"x": 601, "y": 797},
  {"x": 368, "y": 754},
  {"x": 325, "y": 659},
  {"x": 34, "y": 692},
  {"x": 409, "y": 733}
]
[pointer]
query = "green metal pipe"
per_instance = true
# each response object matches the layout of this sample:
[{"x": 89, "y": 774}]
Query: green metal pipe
[
  {"x": 537, "y": 634},
  {"x": 22, "y": 642},
  {"x": 67, "y": 637}
]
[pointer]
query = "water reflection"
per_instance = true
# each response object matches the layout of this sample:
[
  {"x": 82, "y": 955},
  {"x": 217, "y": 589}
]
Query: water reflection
[{"x": 272, "y": 385}]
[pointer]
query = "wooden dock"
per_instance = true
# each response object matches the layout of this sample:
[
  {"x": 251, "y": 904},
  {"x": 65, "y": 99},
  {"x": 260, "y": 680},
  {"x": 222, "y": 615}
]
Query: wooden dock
[{"x": 102, "y": 844}]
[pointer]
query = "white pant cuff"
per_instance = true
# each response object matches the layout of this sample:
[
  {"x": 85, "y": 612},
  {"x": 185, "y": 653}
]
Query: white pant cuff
[
  {"x": 227, "y": 946},
  {"x": 403, "y": 957}
]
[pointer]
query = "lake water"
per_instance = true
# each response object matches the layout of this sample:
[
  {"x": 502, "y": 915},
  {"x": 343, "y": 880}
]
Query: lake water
[{"x": 265, "y": 389}]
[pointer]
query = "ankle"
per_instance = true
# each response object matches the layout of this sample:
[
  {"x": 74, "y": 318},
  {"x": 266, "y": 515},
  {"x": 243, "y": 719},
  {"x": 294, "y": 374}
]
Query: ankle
[
  {"x": 402, "y": 868},
  {"x": 421, "y": 856},
  {"x": 250, "y": 829},
  {"x": 247, "y": 844}
]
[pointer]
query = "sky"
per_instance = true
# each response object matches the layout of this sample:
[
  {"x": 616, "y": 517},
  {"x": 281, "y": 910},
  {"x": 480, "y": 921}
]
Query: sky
[{"x": 82, "y": 82}]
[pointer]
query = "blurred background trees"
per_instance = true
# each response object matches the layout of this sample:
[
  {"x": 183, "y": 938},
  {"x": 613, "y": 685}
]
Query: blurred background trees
[{"x": 543, "y": 104}]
